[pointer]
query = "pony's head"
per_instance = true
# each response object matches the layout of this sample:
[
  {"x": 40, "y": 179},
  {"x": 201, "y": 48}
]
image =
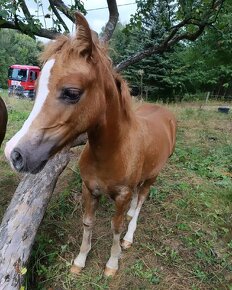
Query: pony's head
[{"x": 69, "y": 98}]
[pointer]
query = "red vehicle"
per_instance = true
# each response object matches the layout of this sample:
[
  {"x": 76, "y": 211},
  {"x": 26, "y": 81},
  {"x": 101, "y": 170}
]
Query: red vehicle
[{"x": 21, "y": 80}]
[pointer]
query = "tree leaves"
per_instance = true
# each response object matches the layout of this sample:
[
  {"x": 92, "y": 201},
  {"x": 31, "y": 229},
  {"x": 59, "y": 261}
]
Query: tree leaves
[
  {"x": 204, "y": 65},
  {"x": 16, "y": 48}
]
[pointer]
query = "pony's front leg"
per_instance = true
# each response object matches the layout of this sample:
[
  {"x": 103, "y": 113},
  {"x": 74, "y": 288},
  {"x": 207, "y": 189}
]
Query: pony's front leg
[
  {"x": 133, "y": 206},
  {"x": 90, "y": 205},
  {"x": 142, "y": 195},
  {"x": 122, "y": 203}
]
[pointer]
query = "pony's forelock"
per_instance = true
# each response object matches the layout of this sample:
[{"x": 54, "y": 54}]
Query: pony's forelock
[
  {"x": 53, "y": 47},
  {"x": 70, "y": 46}
]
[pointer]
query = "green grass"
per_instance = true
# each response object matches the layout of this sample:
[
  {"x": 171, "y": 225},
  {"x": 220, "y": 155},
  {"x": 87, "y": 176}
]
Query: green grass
[{"x": 184, "y": 234}]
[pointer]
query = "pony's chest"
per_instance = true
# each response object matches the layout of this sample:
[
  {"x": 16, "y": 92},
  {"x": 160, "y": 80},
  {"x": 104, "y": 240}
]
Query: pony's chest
[
  {"x": 100, "y": 180},
  {"x": 105, "y": 180},
  {"x": 112, "y": 172}
]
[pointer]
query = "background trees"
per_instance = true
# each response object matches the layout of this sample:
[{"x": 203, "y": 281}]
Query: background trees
[
  {"x": 170, "y": 50},
  {"x": 16, "y": 48},
  {"x": 181, "y": 71}
]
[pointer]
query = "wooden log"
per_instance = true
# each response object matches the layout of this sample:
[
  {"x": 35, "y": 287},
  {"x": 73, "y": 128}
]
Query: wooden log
[
  {"x": 24, "y": 215},
  {"x": 80, "y": 140},
  {"x": 22, "y": 219}
]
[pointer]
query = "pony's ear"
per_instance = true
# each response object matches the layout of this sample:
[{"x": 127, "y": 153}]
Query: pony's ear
[{"x": 83, "y": 35}]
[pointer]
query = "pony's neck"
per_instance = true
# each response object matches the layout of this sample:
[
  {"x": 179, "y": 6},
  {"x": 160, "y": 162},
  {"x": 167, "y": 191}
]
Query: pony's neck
[{"x": 113, "y": 126}]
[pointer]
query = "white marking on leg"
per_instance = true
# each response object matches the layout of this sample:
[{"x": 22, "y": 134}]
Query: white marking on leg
[
  {"x": 85, "y": 247},
  {"x": 42, "y": 94},
  {"x": 133, "y": 205},
  {"x": 133, "y": 224},
  {"x": 115, "y": 253}
]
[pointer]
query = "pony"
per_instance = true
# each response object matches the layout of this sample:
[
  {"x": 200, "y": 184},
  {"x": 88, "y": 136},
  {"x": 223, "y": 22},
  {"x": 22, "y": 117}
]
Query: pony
[
  {"x": 79, "y": 91},
  {"x": 3, "y": 120}
]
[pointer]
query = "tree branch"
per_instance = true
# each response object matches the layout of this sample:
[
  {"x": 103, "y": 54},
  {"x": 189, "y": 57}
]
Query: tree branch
[
  {"x": 64, "y": 9},
  {"x": 51, "y": 34},
  {"x": 168, "y": 42},
  {"x": 25, "y": 10},
  {"x": 112, "y": 22},
  {"x": 31, "y": 28},
  {"x": 58, "y": 16}
]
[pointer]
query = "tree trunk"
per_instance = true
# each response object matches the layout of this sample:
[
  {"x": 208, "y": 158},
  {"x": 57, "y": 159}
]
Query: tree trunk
[{"x": 22, "y": 219}]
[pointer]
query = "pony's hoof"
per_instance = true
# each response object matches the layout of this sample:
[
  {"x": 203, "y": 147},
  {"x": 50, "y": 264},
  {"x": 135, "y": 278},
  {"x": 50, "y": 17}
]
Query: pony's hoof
[
  {"x": 75, "y": 270},
  {"x": 110, "y": 272},
  {"x": 126, "y": 245}
]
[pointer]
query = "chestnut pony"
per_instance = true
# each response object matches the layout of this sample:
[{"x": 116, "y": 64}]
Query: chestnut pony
[
  {"x": 3, "y": 120},
  {"x": 78, "y": 91}
]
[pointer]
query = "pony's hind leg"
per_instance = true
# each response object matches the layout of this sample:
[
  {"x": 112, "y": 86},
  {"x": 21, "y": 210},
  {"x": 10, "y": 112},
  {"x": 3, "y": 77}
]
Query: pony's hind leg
[
  {"x": 142, "y": 195},
  {"x": 122, "y": 201},
  {"x": 90, "y": 205}
]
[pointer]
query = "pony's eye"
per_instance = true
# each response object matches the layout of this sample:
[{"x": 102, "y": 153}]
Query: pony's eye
[{"x": 70, "y": 95}]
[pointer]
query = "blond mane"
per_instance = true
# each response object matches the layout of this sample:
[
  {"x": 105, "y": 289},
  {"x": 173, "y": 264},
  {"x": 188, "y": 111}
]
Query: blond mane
[{"x": 54, "y": 47}]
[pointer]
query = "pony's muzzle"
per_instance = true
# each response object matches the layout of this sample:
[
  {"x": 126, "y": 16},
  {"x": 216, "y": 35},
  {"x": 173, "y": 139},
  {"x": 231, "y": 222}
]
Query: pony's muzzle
[
  {"x": 26, "y": 157},
  {"x": 18, "y": 160}
]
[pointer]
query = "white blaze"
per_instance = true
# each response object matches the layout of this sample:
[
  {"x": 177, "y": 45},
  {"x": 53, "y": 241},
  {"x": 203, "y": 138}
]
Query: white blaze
[{"x": 42, "y": 94}]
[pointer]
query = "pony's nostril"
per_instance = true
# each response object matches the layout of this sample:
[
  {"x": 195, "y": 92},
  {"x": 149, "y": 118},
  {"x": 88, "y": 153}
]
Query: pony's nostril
[{"x": 17, "y": 160}]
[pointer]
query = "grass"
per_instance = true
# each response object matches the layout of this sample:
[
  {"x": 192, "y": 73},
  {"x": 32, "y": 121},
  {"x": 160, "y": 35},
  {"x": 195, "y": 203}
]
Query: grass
[{"x": 184, "y": 234}]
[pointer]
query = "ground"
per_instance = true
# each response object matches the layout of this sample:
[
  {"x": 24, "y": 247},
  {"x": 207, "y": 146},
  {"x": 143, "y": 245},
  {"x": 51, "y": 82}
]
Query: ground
[{"x": 184, "y": 234}]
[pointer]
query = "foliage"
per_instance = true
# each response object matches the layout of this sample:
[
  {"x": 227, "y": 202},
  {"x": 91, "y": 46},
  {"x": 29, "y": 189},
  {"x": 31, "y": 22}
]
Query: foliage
[
  {"x": 208, "y": 61},
  {"x": 161, "y": 16},
  {"x": 17, "y": 15},
  {"x": 162, "y": 24},
  {"x": 158, "y": 80},
  {"x": 147, "y": 76},
  {"x": 189, "y": 68},
  {"x": 16, "y": 48}
]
